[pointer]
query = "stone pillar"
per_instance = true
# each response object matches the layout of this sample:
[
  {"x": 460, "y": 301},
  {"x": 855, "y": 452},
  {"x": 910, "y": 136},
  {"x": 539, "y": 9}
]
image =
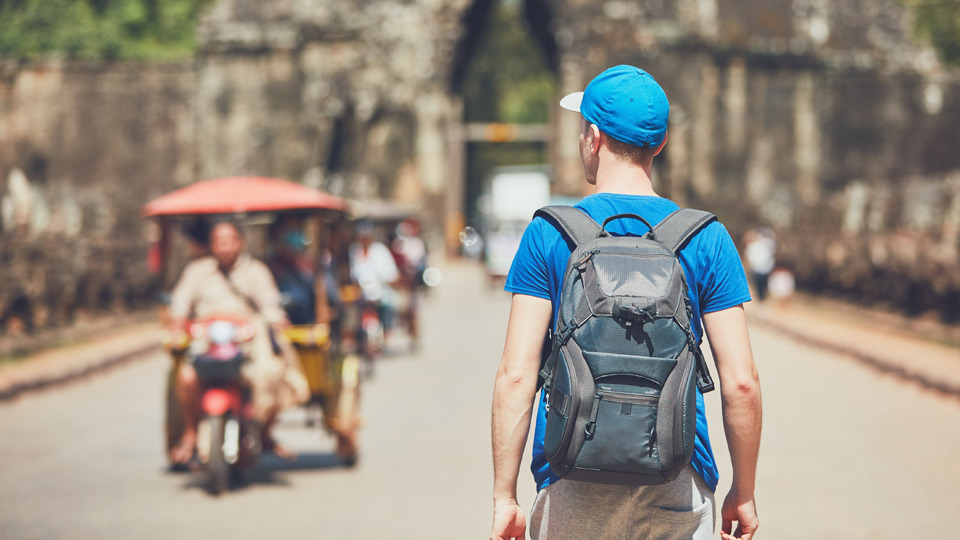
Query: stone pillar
[
  {"x": 678, "y": 151},
  {"x": 700, "y": 16},
  {"x": 704, "y": 132},
  {"x": 806, "y": 139},
  {"x": 760, "y": 168},
  {"x": 950, "y": 233},
  {"x": 735, "y": 102},
  {"x": 457, "y": 176},
  {"x": 566, "y": 153},
  {"x": 439, "y": 160}
]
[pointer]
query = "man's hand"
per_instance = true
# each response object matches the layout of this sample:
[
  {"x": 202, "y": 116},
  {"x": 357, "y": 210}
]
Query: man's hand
[
  {"x": 741, "y": 510},
  {"x": 508, "y": 522}
]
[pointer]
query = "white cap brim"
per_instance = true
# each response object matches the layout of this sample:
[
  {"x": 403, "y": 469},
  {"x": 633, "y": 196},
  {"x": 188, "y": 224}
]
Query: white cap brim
[{"x": 571, "y": 102}]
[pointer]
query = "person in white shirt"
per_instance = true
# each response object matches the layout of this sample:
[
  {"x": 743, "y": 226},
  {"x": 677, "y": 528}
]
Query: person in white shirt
[
  {"x": 760, "y": 253},
  {"x": 373, "y": 268}
]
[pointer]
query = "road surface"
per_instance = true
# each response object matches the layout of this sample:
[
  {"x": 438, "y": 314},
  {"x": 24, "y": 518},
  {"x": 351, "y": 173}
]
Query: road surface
[{"x": 847, "y": 453}]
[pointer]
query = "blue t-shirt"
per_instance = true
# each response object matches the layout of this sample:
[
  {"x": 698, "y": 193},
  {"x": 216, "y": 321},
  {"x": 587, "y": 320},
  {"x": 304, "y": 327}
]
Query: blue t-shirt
[{"x": 710, "y": 261}]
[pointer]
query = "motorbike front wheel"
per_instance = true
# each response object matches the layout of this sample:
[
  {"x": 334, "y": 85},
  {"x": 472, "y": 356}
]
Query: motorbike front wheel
[{"x": 218, "y": 470}]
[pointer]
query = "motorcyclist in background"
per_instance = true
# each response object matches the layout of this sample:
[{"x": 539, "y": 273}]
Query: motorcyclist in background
[
  {"x": 231, "y": 282},
  {"x": 410, "y": 252},
  {"x": 372, "y": 267}
]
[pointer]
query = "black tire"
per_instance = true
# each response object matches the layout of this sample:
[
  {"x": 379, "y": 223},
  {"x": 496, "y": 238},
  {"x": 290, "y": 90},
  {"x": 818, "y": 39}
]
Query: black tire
[{"x": 218, "y": 471}]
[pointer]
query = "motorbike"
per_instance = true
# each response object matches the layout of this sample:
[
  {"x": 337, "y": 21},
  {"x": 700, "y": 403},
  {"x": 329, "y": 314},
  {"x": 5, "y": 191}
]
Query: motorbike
[
  {"x": 364, "y": 332},
  {"x": 373, "y": 330},
  {"x": 228, "y": 438}
]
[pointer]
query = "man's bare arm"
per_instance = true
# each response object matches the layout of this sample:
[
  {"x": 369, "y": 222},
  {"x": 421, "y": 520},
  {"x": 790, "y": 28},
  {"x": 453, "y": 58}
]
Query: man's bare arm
[
  {"x": 742, "y": 415},
  {"x": 513, "y": 397}
]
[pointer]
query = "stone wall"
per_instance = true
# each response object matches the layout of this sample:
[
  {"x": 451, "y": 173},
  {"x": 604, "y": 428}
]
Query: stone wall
[
  {"x": 824, "y": 119},
  {"x": 82, "y": 147},
  {"x": 350, "y": 97}
]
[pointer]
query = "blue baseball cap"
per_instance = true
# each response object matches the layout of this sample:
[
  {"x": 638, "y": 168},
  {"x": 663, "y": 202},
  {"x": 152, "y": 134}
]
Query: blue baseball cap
[{"x": 626, "y": 103}]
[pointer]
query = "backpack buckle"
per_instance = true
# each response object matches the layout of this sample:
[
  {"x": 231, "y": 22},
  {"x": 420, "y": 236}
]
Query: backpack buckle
[
  {"x": 632, "y": 313},
  {"x": 704, "y": 380},
  {"x": 564, "y": 334}
]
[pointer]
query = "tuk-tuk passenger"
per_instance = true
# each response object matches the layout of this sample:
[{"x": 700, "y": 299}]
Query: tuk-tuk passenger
[
  {"x": 294, "y": 272},
  {"x": 231, "y": 282}
]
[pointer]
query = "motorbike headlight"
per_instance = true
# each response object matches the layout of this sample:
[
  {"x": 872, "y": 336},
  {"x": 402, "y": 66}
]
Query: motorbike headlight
[
  {"x": 221, "y": 332},
  {"x": 196, "y": 330}
]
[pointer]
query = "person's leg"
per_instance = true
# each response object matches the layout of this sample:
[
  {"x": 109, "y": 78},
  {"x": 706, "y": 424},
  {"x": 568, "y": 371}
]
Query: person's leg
[
  {"x": 761, "y": 280},
  {"x": 277, "y": 383},
  {"x": 187, "y": 390},
  {"x": 269, "y": 443},
  {"x": 386, "y": 312},
  {"x": 414, "y": 314}
]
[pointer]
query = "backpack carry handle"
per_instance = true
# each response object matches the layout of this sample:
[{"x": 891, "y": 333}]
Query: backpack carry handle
[
  {"x": 603, "y": 228},
  {"x": 572, "y": 222}
]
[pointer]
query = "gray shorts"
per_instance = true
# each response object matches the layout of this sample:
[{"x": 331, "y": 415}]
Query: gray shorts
[{"x": 569, "y": 510}]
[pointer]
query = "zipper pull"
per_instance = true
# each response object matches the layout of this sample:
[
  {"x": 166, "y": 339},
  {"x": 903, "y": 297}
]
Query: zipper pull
[{"x": 591, "y": 426}]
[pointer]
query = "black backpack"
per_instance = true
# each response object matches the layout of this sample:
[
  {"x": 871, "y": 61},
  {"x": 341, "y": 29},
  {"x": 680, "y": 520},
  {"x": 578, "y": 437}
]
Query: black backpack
[{"x": 622, "y": 365}]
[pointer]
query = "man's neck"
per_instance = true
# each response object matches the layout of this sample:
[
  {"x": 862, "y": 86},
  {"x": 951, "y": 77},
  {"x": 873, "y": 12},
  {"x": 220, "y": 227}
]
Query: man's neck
[
  {"x": 615, "y": 176},
  {"x": 234, "y": 264}
]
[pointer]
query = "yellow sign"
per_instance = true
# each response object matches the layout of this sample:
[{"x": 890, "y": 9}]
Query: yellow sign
[{"x": 501, "y": 132}]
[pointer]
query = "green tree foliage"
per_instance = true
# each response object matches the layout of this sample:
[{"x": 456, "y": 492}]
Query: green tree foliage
[
  {"x": 99, "y": 29},
  {"x": 508, "y": 80},
  {"x": 938, "y": 21}
]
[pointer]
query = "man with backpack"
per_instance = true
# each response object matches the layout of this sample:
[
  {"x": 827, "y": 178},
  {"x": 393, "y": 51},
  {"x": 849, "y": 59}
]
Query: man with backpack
[{"x": 621, "y": 282}]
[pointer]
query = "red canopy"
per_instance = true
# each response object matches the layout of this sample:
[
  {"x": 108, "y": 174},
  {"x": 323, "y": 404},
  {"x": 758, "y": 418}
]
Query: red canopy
[{"x": 241, "y": 194}]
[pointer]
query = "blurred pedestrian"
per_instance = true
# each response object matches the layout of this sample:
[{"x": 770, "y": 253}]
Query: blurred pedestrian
[
  {"x": 782, "y": 285},
  {"x": 760, "y": 250},
  {"x": 622, "y": 128}
]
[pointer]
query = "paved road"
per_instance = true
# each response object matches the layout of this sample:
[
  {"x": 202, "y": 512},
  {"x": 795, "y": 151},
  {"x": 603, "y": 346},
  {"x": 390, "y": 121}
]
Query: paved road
[{"x": 847, "y": 453}]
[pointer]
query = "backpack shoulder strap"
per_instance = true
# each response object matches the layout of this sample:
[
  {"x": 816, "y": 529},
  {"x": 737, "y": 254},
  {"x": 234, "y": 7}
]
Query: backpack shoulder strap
[
  {"x": 679, "y": 227},
  {"x": 573, "y": 222}
]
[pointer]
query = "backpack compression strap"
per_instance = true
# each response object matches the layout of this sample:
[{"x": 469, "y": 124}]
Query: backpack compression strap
[
  {"x": 674, "y": 232},
  {"x": 574, "y": 223},
  {"x": 679, "y": 227},
  {"x": 577, "y": 226}
]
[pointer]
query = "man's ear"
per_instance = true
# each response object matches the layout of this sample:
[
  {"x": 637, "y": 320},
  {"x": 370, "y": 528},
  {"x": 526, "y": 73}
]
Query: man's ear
[
  {"x": 593, "y": 136},
  {"x": 664, "y": 143}
]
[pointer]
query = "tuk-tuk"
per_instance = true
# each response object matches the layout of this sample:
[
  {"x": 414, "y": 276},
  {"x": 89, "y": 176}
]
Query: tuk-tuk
[{"x": 331, "y": 370}]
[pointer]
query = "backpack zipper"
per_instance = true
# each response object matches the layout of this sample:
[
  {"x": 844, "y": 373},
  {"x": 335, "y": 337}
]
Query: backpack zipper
[
  {"x": 591, "y": 425},
  {"x": 608, "y": 251},
  {"x": 639, "y": 399}
]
